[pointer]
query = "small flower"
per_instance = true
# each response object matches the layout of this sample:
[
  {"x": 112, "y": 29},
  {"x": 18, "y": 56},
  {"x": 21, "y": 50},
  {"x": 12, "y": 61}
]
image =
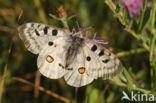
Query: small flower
[
  {"x": 61, "y": 12},
  {"x": 133, "y": 6},
  {"x": 83, "y": 33}
]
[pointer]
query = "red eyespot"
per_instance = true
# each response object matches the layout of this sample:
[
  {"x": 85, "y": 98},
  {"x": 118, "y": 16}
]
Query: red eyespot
[
  {"x": 49, "y": 59},
  {"x": 81, "y": 70}
]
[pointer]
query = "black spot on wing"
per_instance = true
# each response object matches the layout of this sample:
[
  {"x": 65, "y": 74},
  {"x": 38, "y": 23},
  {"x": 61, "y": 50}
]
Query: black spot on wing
[
  {"x": 105, "y": 61},
  {"x": 88, "y": 58},
  {"x": 37, "y": 33},
  {"x": 38, "y": 25},
  {"x": 54, "y": 32},
  {"x": 69, "y": 68},
  {"x": 61, "y": 65},
  {"x": 94, "y": 48},
  {"x": 50, "y": 43},
  {"x": 46, "y": 29},
  {"x": 66, "y": 65},
  {"x": 101, "y": 53}
]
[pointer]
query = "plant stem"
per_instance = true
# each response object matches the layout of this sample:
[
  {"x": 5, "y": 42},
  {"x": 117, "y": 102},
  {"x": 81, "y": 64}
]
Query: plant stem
[
  {"x": 152, "y": 44},
  {"x": 41, "y": 11},
  {"x": 142, "y": 90},
  {"x": 65, "y": 23},
  {"x": 4, "y": 73},
  {"x": 132, "y": 32},
  {"x": 151, "y": 56},
  {"x": 113, "y": 7},
  {"x": 63, "y": 20},
  {"x": 131, "y": 88},
  {"x": 142, "y": 15},
  {"x": 49, "y": 92},
  {"x": 153, "y": 11},
  {"x": 133, "y": 51}
]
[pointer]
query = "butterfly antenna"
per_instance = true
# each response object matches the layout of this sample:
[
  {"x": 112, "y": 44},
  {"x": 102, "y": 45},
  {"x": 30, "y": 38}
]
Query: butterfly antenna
[
  {"x": 94, "y": 35},
  {"x": 78, "y": 25},
  {"x": 90, "y": 27}
]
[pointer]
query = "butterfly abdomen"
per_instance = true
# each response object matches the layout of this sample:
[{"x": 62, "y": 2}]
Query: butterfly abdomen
[{"x": 76, "y": 43}]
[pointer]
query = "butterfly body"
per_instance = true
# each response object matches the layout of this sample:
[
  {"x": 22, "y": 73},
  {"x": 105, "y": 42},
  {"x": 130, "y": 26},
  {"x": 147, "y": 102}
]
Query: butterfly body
[
  {"x": 76, "y": 43},
  {"x": 62, "y": 53}
]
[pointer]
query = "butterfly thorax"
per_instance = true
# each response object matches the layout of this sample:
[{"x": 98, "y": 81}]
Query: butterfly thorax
[{"x": 76, "y": 41}]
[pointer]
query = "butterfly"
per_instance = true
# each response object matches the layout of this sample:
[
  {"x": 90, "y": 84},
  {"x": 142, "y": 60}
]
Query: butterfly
[{"x": 63, "y": 53}]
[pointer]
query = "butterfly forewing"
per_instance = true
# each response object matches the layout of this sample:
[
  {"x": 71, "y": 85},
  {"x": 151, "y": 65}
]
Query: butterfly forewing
[{"x": 36, "y": 35}]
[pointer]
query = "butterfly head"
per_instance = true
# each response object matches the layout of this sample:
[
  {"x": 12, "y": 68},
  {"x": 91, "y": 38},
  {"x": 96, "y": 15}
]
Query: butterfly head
[{"x": 76, "y": 39}]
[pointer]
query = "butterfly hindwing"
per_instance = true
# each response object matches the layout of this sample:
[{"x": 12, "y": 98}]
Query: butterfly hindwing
[
  {"x": 76, "y": 75},
  {"x": 36, "y": 35},
  {"x": 100, "y": 61},
  {"x": 51, "y": 60}
]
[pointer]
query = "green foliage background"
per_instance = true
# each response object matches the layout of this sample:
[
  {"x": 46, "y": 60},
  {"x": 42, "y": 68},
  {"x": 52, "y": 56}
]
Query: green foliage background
[{"x": 132, "y": 39}]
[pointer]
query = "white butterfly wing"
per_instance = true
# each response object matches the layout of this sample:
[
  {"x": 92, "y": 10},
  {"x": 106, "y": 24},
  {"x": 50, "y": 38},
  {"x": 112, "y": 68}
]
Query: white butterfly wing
[
  {"x": 52, "y": 59},
  {"x": 100, "y": 61},
  {"x": 36, "y": 35},
  {"x": 76, "y": 75}
]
